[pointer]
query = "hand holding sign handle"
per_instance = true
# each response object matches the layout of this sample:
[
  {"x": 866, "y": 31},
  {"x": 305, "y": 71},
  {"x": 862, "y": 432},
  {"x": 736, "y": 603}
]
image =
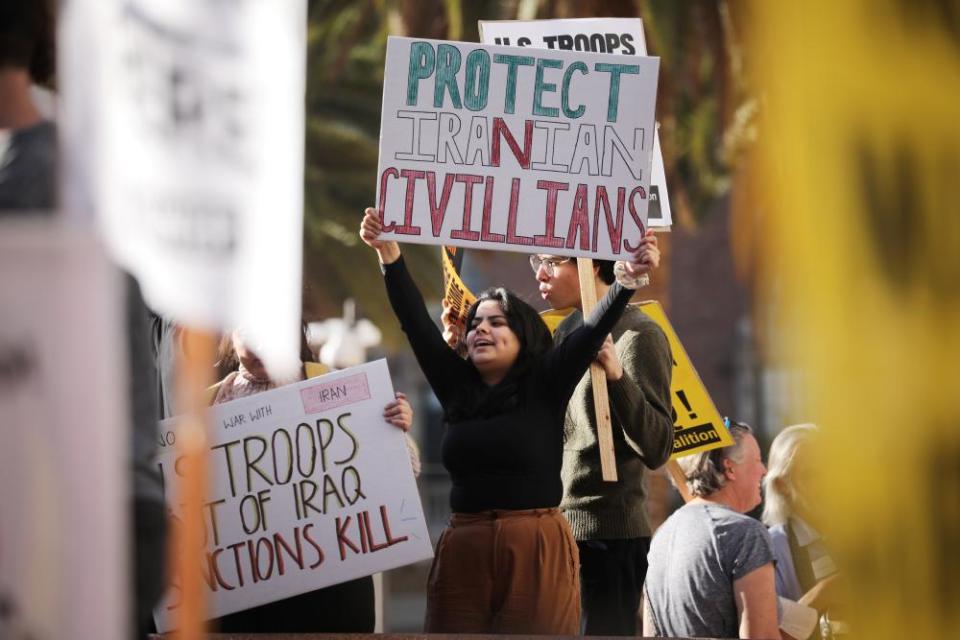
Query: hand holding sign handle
[
  {"x": 608, "y": 360},
  {"x": 644, "y": 260}
]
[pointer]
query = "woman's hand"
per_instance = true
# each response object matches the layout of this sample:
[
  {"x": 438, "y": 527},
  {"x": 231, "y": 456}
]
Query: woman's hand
[
  {"x": 646, "y": 258},
  {"x": 451, "y": 332},
  {"x": 370, "y": 229},
  {"x": 608, "y": 359},
  {"x": 399, "y": 413}
]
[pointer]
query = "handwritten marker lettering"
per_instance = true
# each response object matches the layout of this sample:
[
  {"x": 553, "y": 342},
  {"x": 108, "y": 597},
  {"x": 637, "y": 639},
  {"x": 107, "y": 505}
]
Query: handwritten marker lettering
[{"x": 338, "y": 393}]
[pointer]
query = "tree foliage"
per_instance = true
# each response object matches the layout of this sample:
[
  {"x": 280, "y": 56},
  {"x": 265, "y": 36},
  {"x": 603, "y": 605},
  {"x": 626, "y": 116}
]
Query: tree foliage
[{"x": 704, "y": 112}]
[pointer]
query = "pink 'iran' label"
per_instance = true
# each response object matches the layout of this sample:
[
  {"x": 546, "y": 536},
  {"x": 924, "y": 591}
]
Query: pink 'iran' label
[{"x": 338, "y": 393}]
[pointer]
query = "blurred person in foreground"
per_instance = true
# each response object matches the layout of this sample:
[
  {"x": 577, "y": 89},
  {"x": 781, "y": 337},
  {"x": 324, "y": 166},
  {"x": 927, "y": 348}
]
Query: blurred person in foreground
[
  {"x": 711, "y": 572},
  {"x": 28, "y": 188},
  {"x": 805, "y": 570},
  {"x": 341, "y": 608}
]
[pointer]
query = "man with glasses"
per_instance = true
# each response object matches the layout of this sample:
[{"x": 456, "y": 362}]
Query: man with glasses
[{"x": 608, "y": 518}]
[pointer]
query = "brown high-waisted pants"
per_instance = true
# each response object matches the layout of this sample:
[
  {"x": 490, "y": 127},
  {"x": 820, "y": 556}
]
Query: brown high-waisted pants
[{"x": 505, "y": 572}]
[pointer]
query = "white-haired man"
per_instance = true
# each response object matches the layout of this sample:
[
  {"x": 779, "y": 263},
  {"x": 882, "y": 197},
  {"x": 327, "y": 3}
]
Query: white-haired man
[{"x": 711, "y": 569}]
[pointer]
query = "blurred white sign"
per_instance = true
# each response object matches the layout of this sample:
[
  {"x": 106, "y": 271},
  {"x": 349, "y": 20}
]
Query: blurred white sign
[
  {"x": 622, "y": 36},
  {"x": 184, "y": 129},
  {"x": 309, "y": 487},
  {"x": 64, "y": 475}
]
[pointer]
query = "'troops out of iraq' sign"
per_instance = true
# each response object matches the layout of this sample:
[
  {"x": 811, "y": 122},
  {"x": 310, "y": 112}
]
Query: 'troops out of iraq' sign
[
  {"x": 515, "y": 149},
  {"x": 309, "y": 487}
]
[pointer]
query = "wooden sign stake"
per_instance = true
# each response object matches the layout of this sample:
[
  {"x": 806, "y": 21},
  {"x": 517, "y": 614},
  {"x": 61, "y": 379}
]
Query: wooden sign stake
[
  {"x": 601, "y": 401},
  {"x": 194, "y": 375},
  {"x": 679, "y": 480}
]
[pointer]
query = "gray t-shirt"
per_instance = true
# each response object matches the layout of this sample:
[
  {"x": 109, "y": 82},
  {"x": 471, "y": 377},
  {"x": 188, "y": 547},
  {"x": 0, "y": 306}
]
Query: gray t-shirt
[{"x": 694, "y": 559}]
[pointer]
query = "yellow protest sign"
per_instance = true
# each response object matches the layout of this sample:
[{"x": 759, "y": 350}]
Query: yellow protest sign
[
  {"x": 456, "y": 295},
  {"x": 553, "y": 317},
  {"x": 697, "y": 424}
]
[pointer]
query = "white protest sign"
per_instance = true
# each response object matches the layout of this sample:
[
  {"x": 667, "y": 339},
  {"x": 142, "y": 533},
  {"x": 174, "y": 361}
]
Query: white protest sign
[
  {"x": 513, "y": 149},
  {"x": 309, "y": 487},
  {"x": 184, "y": 125},
  {"x": 600, "y": 35},
  {"x": 64, "y": 470}
]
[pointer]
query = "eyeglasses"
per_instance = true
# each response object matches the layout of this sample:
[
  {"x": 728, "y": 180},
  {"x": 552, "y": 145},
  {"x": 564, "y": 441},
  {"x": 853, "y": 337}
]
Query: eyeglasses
[{"x": 550, "y": 264}]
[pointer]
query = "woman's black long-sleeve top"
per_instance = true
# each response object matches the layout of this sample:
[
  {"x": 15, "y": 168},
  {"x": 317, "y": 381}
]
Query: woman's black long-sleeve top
[{"x": 504, "y": 457}]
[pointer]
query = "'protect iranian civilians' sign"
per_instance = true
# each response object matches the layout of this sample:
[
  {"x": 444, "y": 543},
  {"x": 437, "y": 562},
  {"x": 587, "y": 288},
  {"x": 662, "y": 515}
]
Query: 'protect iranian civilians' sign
[
  {"x": 310, "y": 487},
  {"x": 507, "y": 148},
  {"x": 619, "y": 36}
]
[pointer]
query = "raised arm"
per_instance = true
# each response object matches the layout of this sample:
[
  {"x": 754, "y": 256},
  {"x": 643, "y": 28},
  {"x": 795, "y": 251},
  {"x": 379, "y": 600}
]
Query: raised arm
[
  {"x": 570, "y": 358},
  {"x": 574, "y": 354},
  {"x": 442, "y": 367}
]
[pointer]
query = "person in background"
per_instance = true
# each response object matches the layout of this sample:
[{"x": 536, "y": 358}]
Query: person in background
[
  {"x": 507, "y": 562},
  {"x": 28, "y": 188},
  {"x": 711, "y": 571},
  {"x": 805, "y": 571},
  {"x": 246, "y": 374},
  {"x": 347, "y": 607},
  {"x": 608, "y": 518}
]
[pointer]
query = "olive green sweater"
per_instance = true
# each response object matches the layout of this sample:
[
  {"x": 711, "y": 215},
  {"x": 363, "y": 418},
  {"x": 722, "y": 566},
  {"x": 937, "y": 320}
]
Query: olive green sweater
[{"x": 642, "y": 432}]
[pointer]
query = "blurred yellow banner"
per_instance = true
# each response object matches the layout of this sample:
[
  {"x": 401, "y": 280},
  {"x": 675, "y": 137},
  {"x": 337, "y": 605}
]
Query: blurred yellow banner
[{"x": 861, "y": 161}]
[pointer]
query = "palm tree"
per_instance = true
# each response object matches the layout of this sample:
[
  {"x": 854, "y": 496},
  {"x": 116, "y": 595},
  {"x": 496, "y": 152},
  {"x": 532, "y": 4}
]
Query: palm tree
[{"x": 704, "y": 111}]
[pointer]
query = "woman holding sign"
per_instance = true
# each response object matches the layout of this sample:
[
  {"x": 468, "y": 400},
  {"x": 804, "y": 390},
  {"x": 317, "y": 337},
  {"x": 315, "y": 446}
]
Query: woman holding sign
[
  {"x": 507, "y": 562},
  {"x": 347, "y": 607}
]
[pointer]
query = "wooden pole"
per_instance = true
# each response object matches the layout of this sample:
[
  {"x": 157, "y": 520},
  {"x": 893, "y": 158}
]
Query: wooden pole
[
  {"x": 601, "y": 401},
  {"x": 679, "y": 480},
  {"x": 194, "y": 375}
]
